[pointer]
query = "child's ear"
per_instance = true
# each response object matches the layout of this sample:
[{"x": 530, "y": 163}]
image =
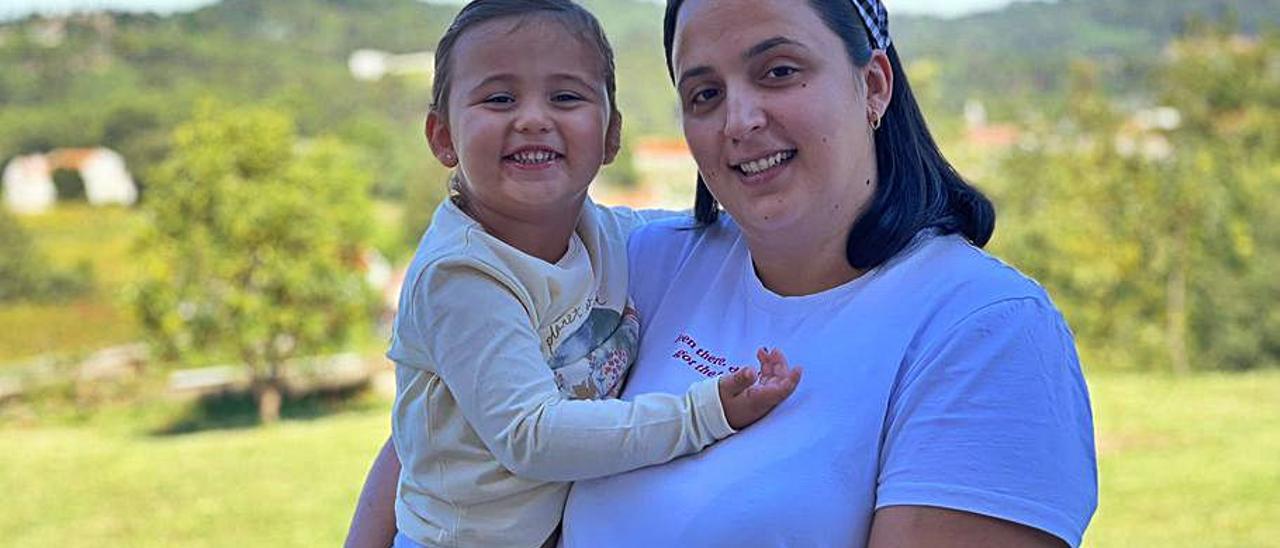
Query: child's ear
[
  {"x": 441, "y": 140},
  {"x": 613, "y": 137}
]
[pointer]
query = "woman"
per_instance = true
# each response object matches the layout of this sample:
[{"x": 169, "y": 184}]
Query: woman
[{"x": 943, "y": 403}]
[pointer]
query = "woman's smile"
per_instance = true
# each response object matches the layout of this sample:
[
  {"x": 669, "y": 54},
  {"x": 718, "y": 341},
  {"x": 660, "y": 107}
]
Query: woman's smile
[{"x": 764, "y": 168}]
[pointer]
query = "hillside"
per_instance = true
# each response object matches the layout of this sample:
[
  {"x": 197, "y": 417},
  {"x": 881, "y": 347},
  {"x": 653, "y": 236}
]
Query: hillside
[
  {"x": 125, "y": 80},
  {"x": 1022, "y": 54}
]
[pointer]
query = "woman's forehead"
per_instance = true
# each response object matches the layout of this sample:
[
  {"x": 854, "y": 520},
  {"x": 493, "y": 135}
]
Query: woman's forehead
[{"x": 735, "y": 28}]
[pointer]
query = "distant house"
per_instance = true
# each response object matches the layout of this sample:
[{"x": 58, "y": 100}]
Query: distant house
[
  {"x": 371, "y": 65},
  {"x": 28, "y": 180},
  {"x": 1144, "y": 134},
  {"x": 667, "y": 174},
  {"x": 985, "y": 135},
  {"x": 28, "y": 184},
  {"x": 994, "y": 136},
  {"x": 663, "y": 152}
]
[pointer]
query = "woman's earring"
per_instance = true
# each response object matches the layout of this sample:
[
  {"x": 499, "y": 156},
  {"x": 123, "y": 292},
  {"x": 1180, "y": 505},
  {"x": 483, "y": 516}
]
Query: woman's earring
[{"x": 874, "y": 119}]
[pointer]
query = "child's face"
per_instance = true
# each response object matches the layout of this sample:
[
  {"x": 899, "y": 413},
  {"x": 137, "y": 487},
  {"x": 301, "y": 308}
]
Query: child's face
[{"x": 528, "y": 121}]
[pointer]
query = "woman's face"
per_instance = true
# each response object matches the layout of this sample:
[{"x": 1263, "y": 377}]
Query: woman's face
[{"x": 776, "y": 114}]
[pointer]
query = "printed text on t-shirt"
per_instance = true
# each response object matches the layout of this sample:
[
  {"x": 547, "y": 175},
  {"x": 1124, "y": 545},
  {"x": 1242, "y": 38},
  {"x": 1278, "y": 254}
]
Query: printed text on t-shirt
[
  {"x": 704, "y": 361},
  {"x": 553, "y": 331}
]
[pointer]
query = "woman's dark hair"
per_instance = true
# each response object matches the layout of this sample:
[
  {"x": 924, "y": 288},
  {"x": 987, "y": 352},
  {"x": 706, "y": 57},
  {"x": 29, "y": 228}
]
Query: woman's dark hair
[
  {"x": 575, "y": 18},
  {"x": 917, "y": 188}
]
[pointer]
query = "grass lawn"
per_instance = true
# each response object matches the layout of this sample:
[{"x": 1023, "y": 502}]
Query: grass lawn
[
  {"x": 289, "y": 485},
  {"x": 1185, "y": 462},
  {"x": 66, "y": 236},
  {"x": 1188, "y": 462}
]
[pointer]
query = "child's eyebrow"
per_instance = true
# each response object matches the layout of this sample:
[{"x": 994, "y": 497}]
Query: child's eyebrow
[
  {"x": 496, "y": 78},
  {"x": 575, "y": 78}
]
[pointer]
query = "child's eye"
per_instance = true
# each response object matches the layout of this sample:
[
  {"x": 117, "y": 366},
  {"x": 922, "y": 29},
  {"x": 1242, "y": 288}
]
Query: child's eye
[
  {"x": 499, "y": 99},
  {"x": 566, "y": 97}
]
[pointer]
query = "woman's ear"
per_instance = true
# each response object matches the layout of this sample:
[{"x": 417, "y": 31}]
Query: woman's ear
[
  {"x": 879, "y": 79},
  {"x": 613, "y": 137},
  {"x": 441, "y": 140}
]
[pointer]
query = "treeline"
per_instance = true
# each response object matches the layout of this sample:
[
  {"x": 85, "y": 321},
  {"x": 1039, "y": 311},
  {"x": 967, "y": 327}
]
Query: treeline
[
  {"x": 1157, "y": 231},
  {"x": 1019, "y": 58},
  {"x": 127, "y": 80},
  {"x": 1154, "y": 236}
]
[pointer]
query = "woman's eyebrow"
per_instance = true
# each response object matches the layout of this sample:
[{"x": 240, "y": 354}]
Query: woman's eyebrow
[
  {"x": 692, "y": 73},
  {"x": 753, "y": 51},
  {"x": 768, "y": 44}
]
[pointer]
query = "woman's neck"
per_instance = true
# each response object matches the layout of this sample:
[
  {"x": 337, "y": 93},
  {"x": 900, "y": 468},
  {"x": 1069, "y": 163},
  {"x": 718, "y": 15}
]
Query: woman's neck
[
  {"x": 544, "y": 235},
  {"x": 791, "y": 269},
  {"x": 796, "y": 264}
]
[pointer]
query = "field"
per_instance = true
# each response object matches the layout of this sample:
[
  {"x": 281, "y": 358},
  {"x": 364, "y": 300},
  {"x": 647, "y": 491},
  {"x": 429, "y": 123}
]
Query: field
[
  {"x": 1188, "y": 462},
  {"x": 102, "y": 237},
  {"x": 1184, "y": 462},
  {"x": 66, "y": 236}
]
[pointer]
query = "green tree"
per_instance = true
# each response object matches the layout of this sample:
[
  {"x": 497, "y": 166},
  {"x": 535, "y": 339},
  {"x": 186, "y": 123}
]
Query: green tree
[
  {"x": 25, "y": 272},
  {"x": 20, "y": 264},
  {"x": 1149, "y": 228},
  {"x": 1223, "y": 245},
  {"x": 252, "y": 245},
  {"x": 426, "y": 185},
  {"x": 622, "y": 171}
]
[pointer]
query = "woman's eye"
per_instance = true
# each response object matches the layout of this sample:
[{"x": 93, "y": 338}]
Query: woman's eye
[
  {"x": 703, "y": 96},
  {"x": 782, "y": 71}
]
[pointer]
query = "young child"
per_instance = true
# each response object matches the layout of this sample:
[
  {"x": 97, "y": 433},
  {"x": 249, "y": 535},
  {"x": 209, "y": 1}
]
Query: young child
[{"x": 513, "y": 325}]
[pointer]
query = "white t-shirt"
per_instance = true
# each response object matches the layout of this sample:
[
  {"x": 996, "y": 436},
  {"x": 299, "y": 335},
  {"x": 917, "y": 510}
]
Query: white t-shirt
[
  {"x": 492, "y": 349},
  {"x": 942, "y": 378}
]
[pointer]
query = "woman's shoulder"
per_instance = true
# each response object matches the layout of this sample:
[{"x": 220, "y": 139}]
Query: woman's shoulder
[
  {"x": 953, "y": 265},
  {"x": 677, "y": 227},
  {"x": 676, "y": 238},
  {"x": 948, "y": 279}
]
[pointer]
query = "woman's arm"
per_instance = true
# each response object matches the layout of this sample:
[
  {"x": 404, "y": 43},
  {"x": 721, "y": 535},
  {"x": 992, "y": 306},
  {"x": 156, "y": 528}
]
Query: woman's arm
[
  {"x": 924, "y": 526},
  {"x": 991, "y": 421},
  {"x": 374, "y": 523}
]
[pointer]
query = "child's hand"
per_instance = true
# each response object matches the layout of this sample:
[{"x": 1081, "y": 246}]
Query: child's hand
[{"x": 746, "y": 398}]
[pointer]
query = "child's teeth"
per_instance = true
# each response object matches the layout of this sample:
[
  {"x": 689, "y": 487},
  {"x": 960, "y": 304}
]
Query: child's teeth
[{"x": 534, "y": 157}]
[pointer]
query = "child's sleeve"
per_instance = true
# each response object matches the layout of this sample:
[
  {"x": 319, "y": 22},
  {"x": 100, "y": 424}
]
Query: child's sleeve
[{"x": 483, "y": 346}]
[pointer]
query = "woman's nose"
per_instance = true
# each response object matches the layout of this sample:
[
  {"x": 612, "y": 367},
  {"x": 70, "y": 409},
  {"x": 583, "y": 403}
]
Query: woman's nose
[{"x": 744, "y": 115}]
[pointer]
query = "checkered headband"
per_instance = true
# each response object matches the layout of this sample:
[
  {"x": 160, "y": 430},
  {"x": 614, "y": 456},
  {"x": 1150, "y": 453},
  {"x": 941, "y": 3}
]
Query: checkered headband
[{"x": 877, "y": 20}]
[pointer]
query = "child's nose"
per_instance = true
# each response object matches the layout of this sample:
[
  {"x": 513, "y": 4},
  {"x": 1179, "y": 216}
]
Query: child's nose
[{"x": 533, "y": 119}]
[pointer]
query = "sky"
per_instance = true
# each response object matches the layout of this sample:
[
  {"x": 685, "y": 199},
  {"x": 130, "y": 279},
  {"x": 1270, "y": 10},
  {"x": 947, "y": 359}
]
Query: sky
[{"x": 10, "y": 9}]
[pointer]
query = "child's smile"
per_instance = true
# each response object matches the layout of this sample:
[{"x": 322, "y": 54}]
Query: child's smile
[
  {"x": 528, "y": 119},
  {"x": 534, "y": 158}
]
